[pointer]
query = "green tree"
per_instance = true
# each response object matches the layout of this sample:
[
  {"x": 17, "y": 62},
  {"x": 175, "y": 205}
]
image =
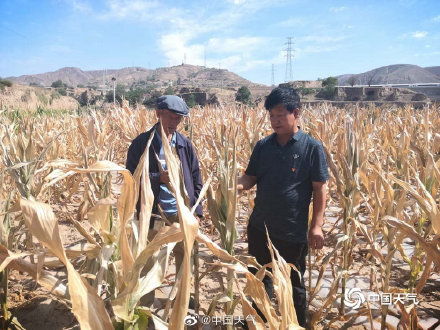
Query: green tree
[
  {"x": 306, "y": 90},
  {"x": 243, "y": 95},
  {"x": 119, "y": 94},
  {"x": 62, "y": 91},
  {"x": 329, "y": 88},
  {"x": 84, "y": 99},
  {"x": 169, "y": 91},
  {"x": 58, "y": 84},
  {"x": 330, "y": 81},
  {"x": 191, "y": 101},
  {"x": 5, "y": 83},
  {"x": 352, "y": 80},
  {"x": 136, "y": 95}
]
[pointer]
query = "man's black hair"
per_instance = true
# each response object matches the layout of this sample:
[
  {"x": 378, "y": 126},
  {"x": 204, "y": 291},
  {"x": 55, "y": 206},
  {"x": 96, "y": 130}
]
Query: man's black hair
[{"x": 283, "y": 95}]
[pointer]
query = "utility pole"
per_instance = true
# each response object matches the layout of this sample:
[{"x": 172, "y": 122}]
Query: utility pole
[
  {"x": 386, "y": 83},
  {"x": 114, "y": 91},
  {"x": 273, "y": 75},
  {"x": 104, "y": 81},
  {"x": 289, "y": 56}
]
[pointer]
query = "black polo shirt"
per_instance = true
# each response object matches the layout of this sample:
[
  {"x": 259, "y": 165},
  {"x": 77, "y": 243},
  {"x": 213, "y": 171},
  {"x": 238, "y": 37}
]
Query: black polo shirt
[{"x": 284, "y": 184}]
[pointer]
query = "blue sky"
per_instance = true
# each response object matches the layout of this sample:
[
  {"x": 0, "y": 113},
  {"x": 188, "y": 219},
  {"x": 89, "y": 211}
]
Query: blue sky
[{"x": 243, "y": 36}]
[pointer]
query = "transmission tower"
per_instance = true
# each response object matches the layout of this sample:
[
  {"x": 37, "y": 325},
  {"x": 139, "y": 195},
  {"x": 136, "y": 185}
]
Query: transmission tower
[
  {"x": 273, "y": 75},
  {"x": 289, "y": 56}
]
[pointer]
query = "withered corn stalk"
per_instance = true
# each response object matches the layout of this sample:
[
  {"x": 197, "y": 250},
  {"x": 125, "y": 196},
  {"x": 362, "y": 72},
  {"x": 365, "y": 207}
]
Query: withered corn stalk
[
  {"x": 384, "y": 184},
  {"x": 222, "y": 204}
]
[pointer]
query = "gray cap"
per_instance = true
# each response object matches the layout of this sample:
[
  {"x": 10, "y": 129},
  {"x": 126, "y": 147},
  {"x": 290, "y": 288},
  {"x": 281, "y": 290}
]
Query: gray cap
[{"x": 173, "y": 103}]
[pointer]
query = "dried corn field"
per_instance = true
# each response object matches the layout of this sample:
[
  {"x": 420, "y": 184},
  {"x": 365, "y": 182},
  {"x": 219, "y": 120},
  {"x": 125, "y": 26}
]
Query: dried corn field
[{"x": 69, "y": 240}]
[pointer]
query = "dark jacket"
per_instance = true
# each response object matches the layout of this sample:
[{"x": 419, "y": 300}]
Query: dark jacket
[{"x": 188, "y": 159}]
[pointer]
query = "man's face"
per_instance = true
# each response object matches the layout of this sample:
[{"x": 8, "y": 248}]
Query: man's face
[
  {"x": 283, "y": 121},
  {"x": 169, "y": 120}
]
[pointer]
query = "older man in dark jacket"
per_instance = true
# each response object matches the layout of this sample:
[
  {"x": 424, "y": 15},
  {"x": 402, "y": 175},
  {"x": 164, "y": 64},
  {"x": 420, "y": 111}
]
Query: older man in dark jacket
[{"x": 170, "y": 111}]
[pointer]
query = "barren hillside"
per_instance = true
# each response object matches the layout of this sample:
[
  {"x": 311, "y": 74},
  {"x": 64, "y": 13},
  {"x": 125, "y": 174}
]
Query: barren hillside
[
  {"x": 392, "y": 74},
  {"x": 182, "y": 74}
]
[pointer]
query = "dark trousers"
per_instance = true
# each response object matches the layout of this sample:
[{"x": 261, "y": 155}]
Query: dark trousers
[{"x": 294, "y": 253}]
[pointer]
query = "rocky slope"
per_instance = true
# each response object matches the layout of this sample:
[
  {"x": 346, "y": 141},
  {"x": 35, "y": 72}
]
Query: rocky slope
[
  {"x": 182, "y": 74},
  {"x": 393, "y": 74}
]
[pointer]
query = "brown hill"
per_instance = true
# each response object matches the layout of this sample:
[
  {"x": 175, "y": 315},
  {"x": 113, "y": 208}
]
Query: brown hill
[
  {"x": 433, "y": 69},
  {"x": 182, "y": 74},
  {"x": 392, "y": 74}
]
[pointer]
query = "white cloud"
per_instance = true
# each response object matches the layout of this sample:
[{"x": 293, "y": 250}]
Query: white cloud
[
  {"x": 415, "y": 35},
  {"x": 436, "y": 19},
  {"x": 236, "y": 2},
  {"x": 238, "y": 63},
  {"x": 80, "y": 5},
  {"x": 315, "y": 50},
  {"x": 187, "y": 32},
  {"x": 175, "y": 47},
  {"x": 294, "y": 22},
  {"x": 337, "y": 9},
  {"x": 419, "y": 34},
  {"x": 233, "y": 45},
  {"x": 121, "y": 9},
  {"x": 235, "y": 53},
  {"x": 321, "y": 39}
]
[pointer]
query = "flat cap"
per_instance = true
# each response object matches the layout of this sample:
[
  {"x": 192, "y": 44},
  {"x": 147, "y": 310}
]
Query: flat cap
[{"x": 173, "y": 103}]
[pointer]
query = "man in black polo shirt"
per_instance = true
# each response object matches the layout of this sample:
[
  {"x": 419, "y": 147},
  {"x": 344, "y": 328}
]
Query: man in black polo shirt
[{"x": 288, "y": 167}]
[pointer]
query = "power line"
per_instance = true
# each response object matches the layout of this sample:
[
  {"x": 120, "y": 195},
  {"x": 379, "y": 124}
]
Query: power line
[
  {"x": 289, "y": 56},
  {"x": 13, "y": 31}
]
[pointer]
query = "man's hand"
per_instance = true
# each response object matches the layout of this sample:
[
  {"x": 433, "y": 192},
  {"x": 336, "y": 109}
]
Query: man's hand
[
  {"x": 164, "y": 177},
  {"x": 316, "y": 238},
  {"x": 246, "y": 182}
]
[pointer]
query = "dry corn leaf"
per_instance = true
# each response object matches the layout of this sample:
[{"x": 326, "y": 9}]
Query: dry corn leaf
[
  {"x": 45, "y": 279},
  {"x": 142, "y": 182},
  {"x": 88, "y": 308},
  {"x": 430, "y": 247},
  {"x": 126, "y": 206},
  {"x": 283, "y": 287}
]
